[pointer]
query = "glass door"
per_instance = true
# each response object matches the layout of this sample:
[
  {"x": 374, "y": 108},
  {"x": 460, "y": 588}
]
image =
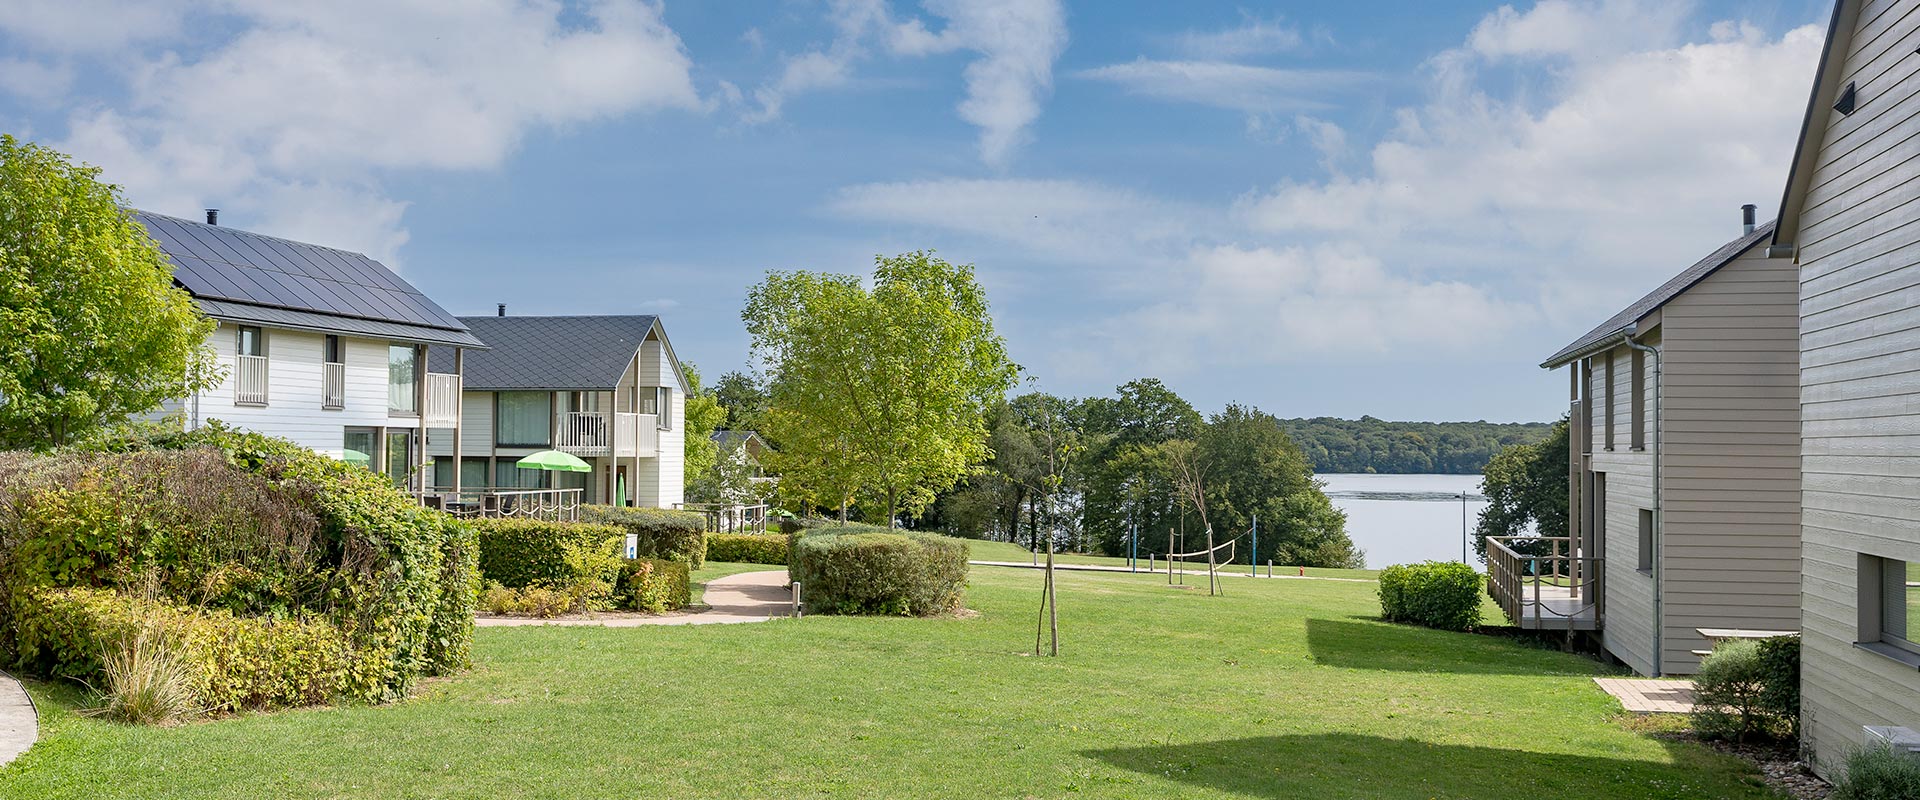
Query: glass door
[{"x": 400, "y": 460}]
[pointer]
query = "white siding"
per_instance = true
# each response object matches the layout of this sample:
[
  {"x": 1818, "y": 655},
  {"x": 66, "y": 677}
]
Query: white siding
[
  {"x": 1859, "y": 303},
  {"x": 293, "y": 410}
]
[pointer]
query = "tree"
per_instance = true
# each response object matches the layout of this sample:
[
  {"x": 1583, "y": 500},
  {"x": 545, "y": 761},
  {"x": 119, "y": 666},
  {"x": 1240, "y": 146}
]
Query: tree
[
  {"x": 742, "y": 397},
  {"x": 1127, "y": 486},
  {"x": 703, "y": 416},
  {"x": 882, "y": 390},
  {"x": 1258, "y": 472},
  {"x": 92, "y": 328},
  {"x": 1526, "y": 485}
]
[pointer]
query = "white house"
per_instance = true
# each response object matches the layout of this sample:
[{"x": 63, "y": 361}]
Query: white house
[
  {"x": 321, "y": 346},
  {"x": 607, "y": 389}
]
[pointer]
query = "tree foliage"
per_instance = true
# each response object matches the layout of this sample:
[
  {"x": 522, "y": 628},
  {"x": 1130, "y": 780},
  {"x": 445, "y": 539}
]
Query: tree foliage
[
  {"x": 742, "y": 397},
  {"x": 703, "y": 416},
  {"x": 1526, "y": 485},
  {"x": 92, "y": 328},
  {"x": 1374, "y": 445},
  {"x": 882, "y": 390}
]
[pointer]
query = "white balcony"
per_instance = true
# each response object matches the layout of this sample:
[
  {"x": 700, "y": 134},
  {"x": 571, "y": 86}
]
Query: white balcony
[
  {"x": 443, "y": 401},
  {"x": 333, "y": 385},
  {"x": 250, "y": 380},
  {"x": 597, "y": 433}
]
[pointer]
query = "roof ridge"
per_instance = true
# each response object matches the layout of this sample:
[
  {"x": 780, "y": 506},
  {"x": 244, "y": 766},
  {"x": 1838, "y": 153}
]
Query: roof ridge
[{"x": 257, "y": 235}]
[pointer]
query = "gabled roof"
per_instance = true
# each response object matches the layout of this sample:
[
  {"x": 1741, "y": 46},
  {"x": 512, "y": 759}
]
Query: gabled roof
[
  {"x": 1617, "y": 324},
  {"x": 245, "y": 277},
  {"x": 730, "y": 439},
  {"x": 1826, "y": 86},
  {"x": 582, "y": 353}
]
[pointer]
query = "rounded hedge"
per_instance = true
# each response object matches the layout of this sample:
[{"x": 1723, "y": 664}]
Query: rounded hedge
[
  {"x": 862, "y": 570},
  {"x": 747, "y": 548},
  {"x": 1437, "y": 594},
  {"x": 672, "y": 535}
]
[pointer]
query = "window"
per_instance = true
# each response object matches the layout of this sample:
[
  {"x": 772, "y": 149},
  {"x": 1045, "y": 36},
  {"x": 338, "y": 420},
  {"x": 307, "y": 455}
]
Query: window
[
  {"x": 403, "y": 379},
  {"x": 359, "y": 447},
  {"x": 1646, "y": 540},
  {"x": 333, "y": 374},
  {"x": 250, "y": 367},
  {"x": 334, "y": 355},
  {"x": 663, "y": 399},
  {"x": 252, "y": 342},
  {"x": 1586, "y": 405},
  {"x": 1639, "y": 401},
  {"x": 508, "y": 476},
  {"x": 1890, "y": 606},
  {"x": 650, "y": 401},
  {"x": 1609, "y": 407},
  {"x": 400, "y": 461},
  {"x": 523, "y": 419}
]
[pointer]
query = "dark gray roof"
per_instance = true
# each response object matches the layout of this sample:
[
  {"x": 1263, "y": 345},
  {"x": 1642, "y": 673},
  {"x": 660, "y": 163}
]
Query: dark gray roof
[
  {"x": 555, "y": 353},
  {"x": 731, "y": 439},
  {"x": 1618, "y": 323},
  {"x": 246, "y": 277}
]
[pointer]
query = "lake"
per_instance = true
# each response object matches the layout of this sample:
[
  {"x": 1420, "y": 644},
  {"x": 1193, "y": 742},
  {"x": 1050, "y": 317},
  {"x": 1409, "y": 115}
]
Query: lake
[{"x": 1400, "y": 519}]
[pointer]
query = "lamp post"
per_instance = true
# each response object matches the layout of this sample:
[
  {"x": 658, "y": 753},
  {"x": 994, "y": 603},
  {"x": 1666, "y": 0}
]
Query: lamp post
[{"x": 1463, "y": 527}]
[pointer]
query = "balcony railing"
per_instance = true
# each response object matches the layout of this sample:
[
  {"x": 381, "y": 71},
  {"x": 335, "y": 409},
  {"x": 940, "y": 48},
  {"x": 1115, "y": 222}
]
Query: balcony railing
[
  {"x": 548, "y": 504},
  {"x": 1541, "y": 585},
  {"x": 597, "y": 433},
  {"x": 250, "y": 380},
  {"x": 443, "y": 400},
  {"x": 333, "y": 385}
]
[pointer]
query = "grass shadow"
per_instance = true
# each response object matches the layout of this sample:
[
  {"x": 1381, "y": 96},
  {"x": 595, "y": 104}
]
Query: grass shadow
[
  {"x": 1367, "y": 644},
  {"x": 1344, "y": 765}
]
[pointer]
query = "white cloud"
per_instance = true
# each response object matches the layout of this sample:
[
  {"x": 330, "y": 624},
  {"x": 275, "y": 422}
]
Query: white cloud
[
  {"x": 1238, "y": 87},
  {"x": 307, "y": 103},
  {"x": 34, "y": 80},
  {"x": 91, "y": 26},
  {"x": 1253, "y": 37},
  {"x": 1015, "y": 43},
  {"x": 1580, "y": 29},
  {"x": 1072, "y": 221}
]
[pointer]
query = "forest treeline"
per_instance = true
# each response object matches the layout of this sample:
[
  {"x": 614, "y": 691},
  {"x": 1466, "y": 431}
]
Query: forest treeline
[{"x": 1368, "y": 444}]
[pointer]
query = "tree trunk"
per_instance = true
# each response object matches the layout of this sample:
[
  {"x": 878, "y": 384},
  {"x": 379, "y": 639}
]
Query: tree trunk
[{"x": 893, "y": 501}]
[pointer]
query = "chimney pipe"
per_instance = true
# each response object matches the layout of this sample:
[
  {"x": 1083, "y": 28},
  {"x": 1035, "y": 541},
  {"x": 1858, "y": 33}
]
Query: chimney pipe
[
  {"x": 213, "y": 216},
  {"x": 503, "y": 310},
  {"x": 1746, "y": 218}
]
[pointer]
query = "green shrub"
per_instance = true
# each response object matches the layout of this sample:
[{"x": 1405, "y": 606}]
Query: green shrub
[
  {"x": 530, "y": 552},
  {"x": 533, "y": 601},
  {"x": 672, "y": 535},
  {"x": 861, "y": 570},
  {"x": 215, "y": 520},
  {"x": 744, "y": 548},
  {"x": 1437, "y": 594},
  {"x": 231, "y": 662},
  {"x": 1780, "y": 682},
  {"x": 654, "y": 585},
  {"x": 1734, "y": 696},
  {"x": 146, "y": 682},
  {"x": 1878, "y": 773}
]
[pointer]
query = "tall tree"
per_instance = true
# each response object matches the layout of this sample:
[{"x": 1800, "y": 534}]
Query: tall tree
[
  {"x": 1128, "y": 488},
  {"x": 742, "y": 397},
  {"x": 884, "y": 389},
  {"x": 1526, "y": 485},
  {"x": 703, "y": 416},
  {"x": 92, "y": 328}
]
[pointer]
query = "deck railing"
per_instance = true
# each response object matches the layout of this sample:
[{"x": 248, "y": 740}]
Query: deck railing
[
  {"x": 548, "y": 504},
  {"x": 724, "y": 518},
  {"x": 443, "y": 400},
  {"x": 250, "y": 379},
  {"x": 597, "y": 433},
  {"x": 333, "y": 385},
  {"x": 1540, "y": 584}
]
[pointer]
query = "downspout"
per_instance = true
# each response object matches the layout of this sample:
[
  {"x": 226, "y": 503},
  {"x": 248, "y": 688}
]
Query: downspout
[{"x": 1659, "y": 515}]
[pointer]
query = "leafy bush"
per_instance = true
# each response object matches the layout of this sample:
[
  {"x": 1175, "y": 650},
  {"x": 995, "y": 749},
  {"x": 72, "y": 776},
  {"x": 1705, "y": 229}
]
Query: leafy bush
[
  {"x": 231, "y": 662},
  {"x": 530, "y": 552},
  {"x": 218, "y": 521},
  {"x": 533, "y": 601},
  {"x": 861, "y": 570},
  {"x": 654, "y": 585},
  {"x": 745, "y": 548},
  {"x": 1437, "y": 594},
  {"x": 1878, "y": 773},
  {"x": 1736, "y": 693},
  {"x": 672, "y": 535}
]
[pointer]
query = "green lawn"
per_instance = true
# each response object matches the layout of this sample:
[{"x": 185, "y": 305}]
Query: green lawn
[
  {"x": 1280, "y": 689},
  {"x": 1007, "y": 551}
]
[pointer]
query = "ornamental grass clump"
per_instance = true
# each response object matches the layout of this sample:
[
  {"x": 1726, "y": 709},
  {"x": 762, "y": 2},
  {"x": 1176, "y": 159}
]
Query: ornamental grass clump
[
  {"x": 145, "y": 682},
  {"x": 1879, "y": 773}
]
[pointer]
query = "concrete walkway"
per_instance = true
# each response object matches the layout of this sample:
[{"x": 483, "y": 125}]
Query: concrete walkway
[
  {"x": 747, "y": 597},
  {"x": 1650, "y": 695},
  {"x": 19, "y": 724},
  {"x": 1235, "y": 571}
]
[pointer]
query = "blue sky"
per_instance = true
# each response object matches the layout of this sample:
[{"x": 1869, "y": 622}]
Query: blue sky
[{"x": 1385, "y": 208}]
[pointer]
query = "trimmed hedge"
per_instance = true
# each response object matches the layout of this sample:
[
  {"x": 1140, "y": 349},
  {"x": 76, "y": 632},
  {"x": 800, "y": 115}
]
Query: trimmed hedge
[
  {"x": 235, "y": 662},
  {"x": 747, "y": 548},
  {"x": 528, "y": 552},
  {"x": 672, "y": 535},
  {"x": 863, "y": 570},
  {"x": 218, "y": 521},
  {"x": 653, "y": 584},
  {"x": 1437, "y": 594}
]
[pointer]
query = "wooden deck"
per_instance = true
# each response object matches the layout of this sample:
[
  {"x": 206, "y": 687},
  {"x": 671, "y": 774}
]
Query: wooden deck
[{"x": 1554, "y": 608}]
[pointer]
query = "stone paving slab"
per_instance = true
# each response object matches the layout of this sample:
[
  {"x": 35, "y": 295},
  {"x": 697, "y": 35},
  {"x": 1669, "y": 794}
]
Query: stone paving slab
[
  {"x": 746, "y": 597},
  {"x": 19, "y": 723},
  {"x": 1650, "y": 695}
]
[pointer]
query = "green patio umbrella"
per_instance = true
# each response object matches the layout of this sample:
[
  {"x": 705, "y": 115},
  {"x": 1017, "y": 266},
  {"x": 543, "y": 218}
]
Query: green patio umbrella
[
  {"x": 553, "y": 460},
  {"x": 620, "y": 491},
  {"x": 356, "y": 458}
]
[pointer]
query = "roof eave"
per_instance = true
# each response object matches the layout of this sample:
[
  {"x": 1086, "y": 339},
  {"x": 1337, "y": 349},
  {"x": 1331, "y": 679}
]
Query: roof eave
[
  {"x": 1826, "y": 78},
  {"x": 1606, "y": 342}
]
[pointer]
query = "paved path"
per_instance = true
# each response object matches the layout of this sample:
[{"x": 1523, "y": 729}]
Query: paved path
[
  {"x": 1202, "y": 571},
  {"x": 747, "y": 597},
  {"x": 19, "y": 725},
  {"x": 1650, "y": 695}
]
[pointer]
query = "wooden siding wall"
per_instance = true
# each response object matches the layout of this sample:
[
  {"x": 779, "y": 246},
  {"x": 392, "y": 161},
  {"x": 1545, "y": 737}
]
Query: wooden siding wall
[
  {"x": 1730, "y": 456},
  {"x": 1628, "y": 627},
  {"x": 294, "y": 389},
  {"x": 661, "y": 480},
  {"x": 1859, "y": 242}
]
